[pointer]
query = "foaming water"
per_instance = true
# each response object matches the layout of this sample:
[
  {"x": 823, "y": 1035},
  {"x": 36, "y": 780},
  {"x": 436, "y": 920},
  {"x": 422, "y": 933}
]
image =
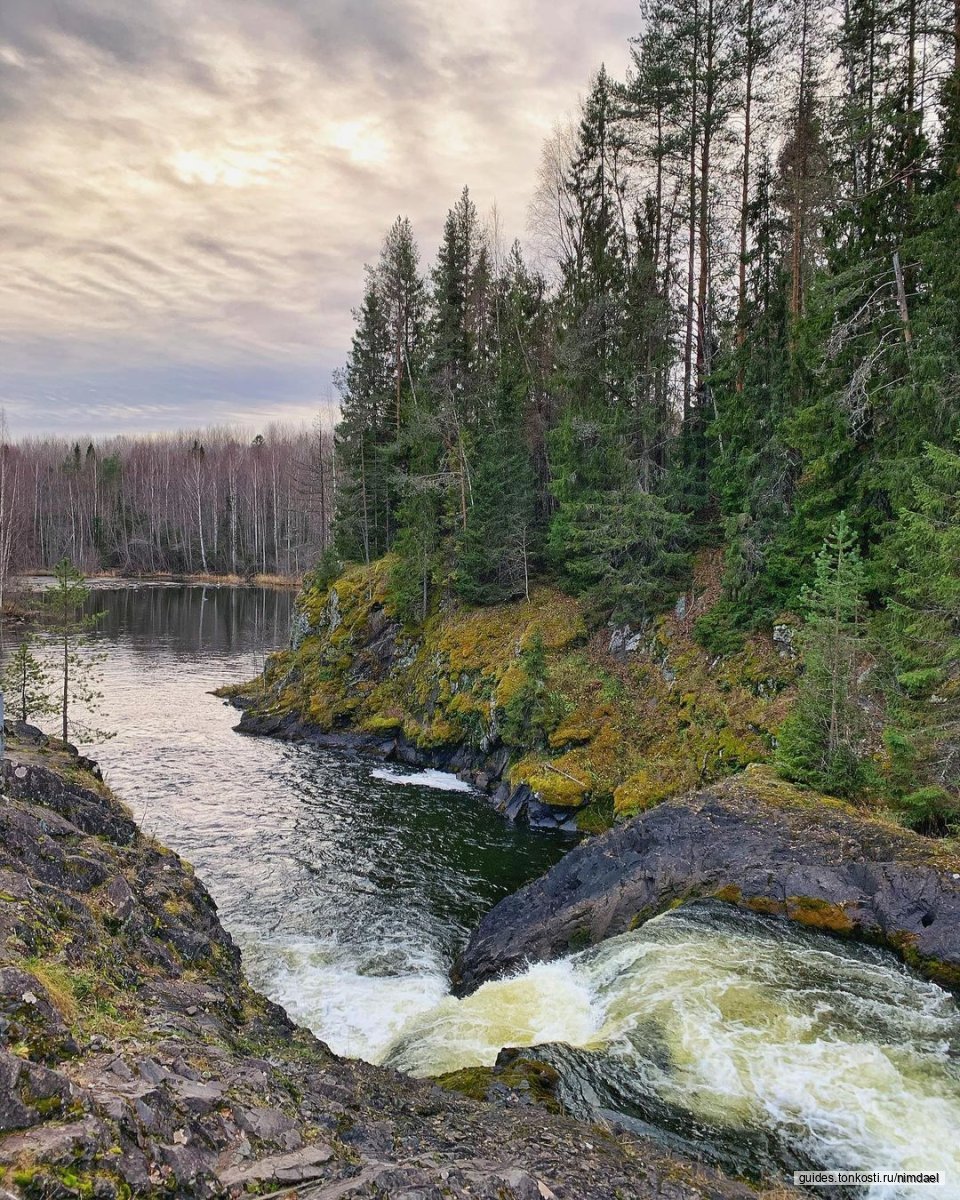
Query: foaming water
[
  {"x": 349, "y": 895},
  {"x": 769, "y": 1045},
  {"x": 443, "y": 781},
  {"x": 351, "y": 887}
]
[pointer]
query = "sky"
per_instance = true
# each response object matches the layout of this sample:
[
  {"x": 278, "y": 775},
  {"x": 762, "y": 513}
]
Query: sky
[{"x": 190, "y": 188}]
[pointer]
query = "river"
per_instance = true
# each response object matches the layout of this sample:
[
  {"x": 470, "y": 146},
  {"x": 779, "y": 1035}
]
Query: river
[{"x": 350, "y": 887}]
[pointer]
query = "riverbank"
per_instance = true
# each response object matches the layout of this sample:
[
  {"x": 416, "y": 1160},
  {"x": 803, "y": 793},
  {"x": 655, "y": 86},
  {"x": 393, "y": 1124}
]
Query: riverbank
[
  {"x": 136, "y": 1060},
  {"x": 562, "y": 726}
]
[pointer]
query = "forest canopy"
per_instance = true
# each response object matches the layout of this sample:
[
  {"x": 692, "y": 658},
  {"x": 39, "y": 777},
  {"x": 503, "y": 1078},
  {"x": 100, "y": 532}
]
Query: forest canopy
[{"x": 743, "y": 321}]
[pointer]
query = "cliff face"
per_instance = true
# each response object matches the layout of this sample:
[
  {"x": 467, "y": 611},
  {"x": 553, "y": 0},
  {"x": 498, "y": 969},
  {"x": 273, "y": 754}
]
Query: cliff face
[
  {"x": 136, "y": 1061},
  {"x": 752, "y": 841},
  {"x": 562, "y": 727}
]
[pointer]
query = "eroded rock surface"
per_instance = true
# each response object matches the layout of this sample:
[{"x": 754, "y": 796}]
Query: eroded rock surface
[{"x": 752, "y": 841}]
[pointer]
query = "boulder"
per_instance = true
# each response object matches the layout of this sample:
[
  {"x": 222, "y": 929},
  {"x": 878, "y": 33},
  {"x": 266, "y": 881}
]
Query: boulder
[{"x": 754, "y": 842}]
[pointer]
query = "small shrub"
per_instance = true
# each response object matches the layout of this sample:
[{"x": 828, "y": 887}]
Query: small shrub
[
  {"x": 717, "y": 631},
  {"x": 327, "y": 570},
  {"x": 931, "y": 811}
]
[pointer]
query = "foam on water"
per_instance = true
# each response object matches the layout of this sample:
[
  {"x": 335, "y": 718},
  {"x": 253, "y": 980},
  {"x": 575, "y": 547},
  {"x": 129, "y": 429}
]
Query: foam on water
[
  {"x": 839, "y": 1059},
  {"x": 355, "y": 1008},
  {"x": 722, "y": 1031},
  {"x": 443, "y": 781}
]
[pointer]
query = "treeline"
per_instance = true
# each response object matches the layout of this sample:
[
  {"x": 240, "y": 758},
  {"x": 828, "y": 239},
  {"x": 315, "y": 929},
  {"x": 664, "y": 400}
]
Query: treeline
[
  {"x": 212, "y": 501},
  {"x": 750, "y": 324},
  {"x": 745, "y": 328}
]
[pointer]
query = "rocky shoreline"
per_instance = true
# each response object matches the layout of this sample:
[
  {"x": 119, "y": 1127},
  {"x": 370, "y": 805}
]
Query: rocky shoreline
[
  {"x": 484, "y": 769},
  {"x": 135, "y": 1060},
  {"x": 753, "y": 841}
]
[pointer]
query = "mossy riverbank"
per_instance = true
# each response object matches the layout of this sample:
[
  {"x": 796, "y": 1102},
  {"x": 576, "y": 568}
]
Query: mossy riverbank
[{"x": 604, "y": 723}]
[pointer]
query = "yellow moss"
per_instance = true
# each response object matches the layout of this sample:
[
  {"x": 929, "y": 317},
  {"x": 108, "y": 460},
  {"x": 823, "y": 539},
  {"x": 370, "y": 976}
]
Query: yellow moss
[
  {"x": 386, "y": 722},
  {"x": 439, "y": 733},
  {"x": 558, "y": 621},
  {"x": 57, "y": 981},
  {"x": 819, "y": 914},
  {"x": 512, "y": 682},
  {"x": 583, "y": 725},
  {"x": 466, "y": 704},
  {"x": 730, "y": 894},
  {"x": 641, "y": 791},
  {"x": 552, "y": 784}
]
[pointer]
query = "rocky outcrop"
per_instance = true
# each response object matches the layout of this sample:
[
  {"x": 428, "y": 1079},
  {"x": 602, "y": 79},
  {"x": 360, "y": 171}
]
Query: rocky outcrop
[
  {"x": 561, "y": 728},
  {"x": 136, "y": 1061},
  {"x": 755, "y": 842}
]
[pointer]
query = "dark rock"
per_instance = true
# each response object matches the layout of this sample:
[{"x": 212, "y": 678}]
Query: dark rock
[
  {"x": 270, "y": 1125},
  {"x": 29, "y": 1016},
  {"x": 831, "y": 869},
  {"x": 14, "y": 1114},
  {"x": 517, "y": 803},
  {"x": 57, "y": 1144},
  {"x": 298, "y": 1166}
]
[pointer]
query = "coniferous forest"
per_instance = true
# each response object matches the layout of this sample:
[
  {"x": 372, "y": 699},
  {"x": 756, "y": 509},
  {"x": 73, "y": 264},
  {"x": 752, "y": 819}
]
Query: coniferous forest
[{"x": 742, "y": 331}]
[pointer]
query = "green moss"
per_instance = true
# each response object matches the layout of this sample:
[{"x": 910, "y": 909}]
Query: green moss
[
  {"x": 946, "y": 974},
  {"x": 387, "y": 722},
  {"x": 579, "y": 939},
  {"x": 596, "y": 818},
  {"x": 641, "y": 791},
  {"x": 470, "y": 1081}
]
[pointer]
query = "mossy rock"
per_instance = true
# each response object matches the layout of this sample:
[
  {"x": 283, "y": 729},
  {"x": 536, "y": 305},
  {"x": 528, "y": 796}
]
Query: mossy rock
[
  {"x": 641, "y": 791},
  {"x": 555, "y": 788},
  {"x": 529, "y": 1079},
  {"x": 388, "y": 722}
]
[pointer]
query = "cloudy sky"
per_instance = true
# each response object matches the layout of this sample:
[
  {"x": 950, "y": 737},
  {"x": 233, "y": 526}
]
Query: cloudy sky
[{"x": 190, "y": 188}]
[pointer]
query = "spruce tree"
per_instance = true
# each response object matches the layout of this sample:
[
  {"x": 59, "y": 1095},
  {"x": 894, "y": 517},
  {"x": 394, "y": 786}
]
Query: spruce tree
[
  {"x": 365, "y": 500},
  {"x": 819, "y": 743},
  {"x": 922, "y": 635}
]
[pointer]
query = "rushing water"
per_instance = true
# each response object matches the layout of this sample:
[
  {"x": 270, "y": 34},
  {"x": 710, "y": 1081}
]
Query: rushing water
[{"x": 350, "y": 886}]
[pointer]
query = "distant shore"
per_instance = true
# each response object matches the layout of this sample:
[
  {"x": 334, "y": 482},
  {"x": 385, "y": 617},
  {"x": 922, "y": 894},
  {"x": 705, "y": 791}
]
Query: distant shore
[{"x": 292, "y": 582}]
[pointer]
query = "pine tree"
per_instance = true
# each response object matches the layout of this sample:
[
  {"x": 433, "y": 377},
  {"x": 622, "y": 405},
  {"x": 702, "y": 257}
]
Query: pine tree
[
  {"x": 71, "y": 629},
  {"x": 27, "y": 684},
  {"x": 819, "y": 743},
  {"x": 923, "y": 638}
]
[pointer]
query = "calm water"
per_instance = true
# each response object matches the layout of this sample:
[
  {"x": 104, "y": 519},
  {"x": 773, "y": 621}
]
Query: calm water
[{"x": 350, "y": 887}]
